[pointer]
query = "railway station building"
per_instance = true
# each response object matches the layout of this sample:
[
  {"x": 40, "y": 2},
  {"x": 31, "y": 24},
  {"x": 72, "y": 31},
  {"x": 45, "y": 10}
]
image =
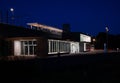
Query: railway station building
[{"x": 40, "y": 40}]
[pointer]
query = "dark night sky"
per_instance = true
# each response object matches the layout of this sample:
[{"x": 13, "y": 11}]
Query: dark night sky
[{"x": 88, "y": 16}]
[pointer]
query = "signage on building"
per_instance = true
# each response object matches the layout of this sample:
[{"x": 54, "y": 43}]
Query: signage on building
[{"x": 85, "y": 38}]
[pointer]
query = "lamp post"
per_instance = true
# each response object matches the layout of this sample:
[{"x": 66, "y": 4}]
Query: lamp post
[
  {"x": 12, "y": 10},
  {"x": 107, "y": 38},
  {"x": 93, "y": 44}
]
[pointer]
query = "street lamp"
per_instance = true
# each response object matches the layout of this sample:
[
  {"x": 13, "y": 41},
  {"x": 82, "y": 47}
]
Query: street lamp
[
  {"x": 7, "y": 15},
  {"x": 12, "y": 10},
  {"x": 106, "y": 38}
]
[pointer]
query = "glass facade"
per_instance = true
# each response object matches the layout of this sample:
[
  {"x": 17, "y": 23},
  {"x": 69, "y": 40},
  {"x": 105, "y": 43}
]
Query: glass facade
[{"x": 55, "y": 46}]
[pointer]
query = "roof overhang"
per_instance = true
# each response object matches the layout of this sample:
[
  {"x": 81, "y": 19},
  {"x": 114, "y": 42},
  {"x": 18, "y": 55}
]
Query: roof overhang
[{"x": 45, "y": 27}]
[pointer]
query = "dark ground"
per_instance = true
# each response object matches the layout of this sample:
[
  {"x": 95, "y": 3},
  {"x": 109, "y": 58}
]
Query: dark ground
[{"x": 97, "y": 68}]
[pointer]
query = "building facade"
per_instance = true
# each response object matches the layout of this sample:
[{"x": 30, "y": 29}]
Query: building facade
[{"x": 39, "y": 40}]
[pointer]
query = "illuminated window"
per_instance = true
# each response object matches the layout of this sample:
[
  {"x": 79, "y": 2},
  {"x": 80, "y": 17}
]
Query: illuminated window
[
  {"x": 25, "y": 47},
  {"x": 28, "y": 47},
  {"x": 56, "y": 46},
  {"x": 85, "y": 38}
]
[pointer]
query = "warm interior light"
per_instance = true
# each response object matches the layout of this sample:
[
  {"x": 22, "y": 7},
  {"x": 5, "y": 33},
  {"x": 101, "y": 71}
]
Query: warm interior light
[
  {"x": 17, "y": 47},
  {"x": 94, "y": 40}
]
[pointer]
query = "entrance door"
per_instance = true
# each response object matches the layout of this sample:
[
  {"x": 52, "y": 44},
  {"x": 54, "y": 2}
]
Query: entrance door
[{"x": 85, "y": 47}]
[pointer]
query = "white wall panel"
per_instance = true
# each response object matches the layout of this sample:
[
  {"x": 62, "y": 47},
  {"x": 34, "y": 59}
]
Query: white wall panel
[{"x": 17, "y": 48}]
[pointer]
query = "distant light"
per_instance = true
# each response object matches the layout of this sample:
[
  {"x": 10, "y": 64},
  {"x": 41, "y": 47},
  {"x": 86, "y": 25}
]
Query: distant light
[
  {"x": 107, "y": 29},
  {"x": 94, "y": 40},
  {"x": 11, "y": 9}
]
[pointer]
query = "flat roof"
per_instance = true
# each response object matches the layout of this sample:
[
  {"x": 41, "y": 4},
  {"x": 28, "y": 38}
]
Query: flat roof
[{"x": 45, "y": 27}]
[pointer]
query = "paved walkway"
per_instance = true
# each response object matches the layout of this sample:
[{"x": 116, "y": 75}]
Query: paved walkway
[{"x": 90, "y": 52}]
